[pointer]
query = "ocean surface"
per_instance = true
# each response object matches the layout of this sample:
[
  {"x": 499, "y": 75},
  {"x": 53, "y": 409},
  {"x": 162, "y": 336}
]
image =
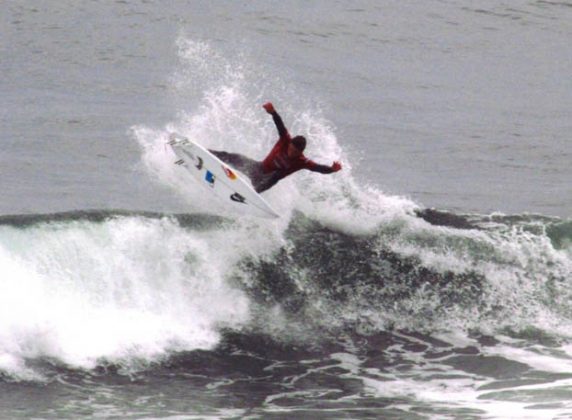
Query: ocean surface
[{"x": 430, "y": 279}]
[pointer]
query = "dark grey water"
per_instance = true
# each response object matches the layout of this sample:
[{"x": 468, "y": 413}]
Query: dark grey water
[{"x": 359, "y": 302}]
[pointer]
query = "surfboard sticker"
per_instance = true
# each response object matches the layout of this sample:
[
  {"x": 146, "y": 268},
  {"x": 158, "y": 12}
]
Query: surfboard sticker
[
  {"x": 218, "y": 178},
  {"x": 229, "y": 173},
  {"x": 238, "y": 198},
  {"x": 210, "y": 178}
]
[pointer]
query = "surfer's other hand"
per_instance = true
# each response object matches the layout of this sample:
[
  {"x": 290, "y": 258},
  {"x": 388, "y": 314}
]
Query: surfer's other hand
[
  {"x": 336, "y": 166},
  {"x": 269, "y": 107}
]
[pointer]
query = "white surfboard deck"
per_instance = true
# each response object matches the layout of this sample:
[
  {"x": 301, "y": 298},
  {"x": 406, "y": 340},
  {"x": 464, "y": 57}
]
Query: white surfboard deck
[{"x": 219, "y": 178}]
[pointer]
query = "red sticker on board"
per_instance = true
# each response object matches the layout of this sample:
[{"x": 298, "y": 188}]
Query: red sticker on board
[{"x": 229, "y": 173}]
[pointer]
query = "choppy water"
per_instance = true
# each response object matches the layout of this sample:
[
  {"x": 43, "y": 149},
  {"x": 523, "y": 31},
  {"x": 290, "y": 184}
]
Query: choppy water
[{"x": 126, "y": 293}]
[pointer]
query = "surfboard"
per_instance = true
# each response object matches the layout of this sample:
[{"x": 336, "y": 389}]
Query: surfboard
[{"x": 218, "y": 178}]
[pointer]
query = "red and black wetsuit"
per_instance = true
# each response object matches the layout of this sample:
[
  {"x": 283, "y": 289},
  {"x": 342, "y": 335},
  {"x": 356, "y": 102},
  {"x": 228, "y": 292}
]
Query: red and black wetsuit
[
  {"x": 280, "y": 165},
  {"x": 276, "y": 166}
]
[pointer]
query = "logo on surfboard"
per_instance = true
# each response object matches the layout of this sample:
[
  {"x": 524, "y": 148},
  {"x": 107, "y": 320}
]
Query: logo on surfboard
[
  {"x": 229, "y": 173},
  {"x": 238, "y": 198},
  {"x": 198, "y": 159},
  {"x": 210, "y": 178}
]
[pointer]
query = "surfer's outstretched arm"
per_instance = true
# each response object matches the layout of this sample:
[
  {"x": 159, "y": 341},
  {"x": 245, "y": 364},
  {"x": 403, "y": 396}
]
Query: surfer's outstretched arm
[
  {"x": 323, "y": 169},
  {"x": 282, "y": 131}
]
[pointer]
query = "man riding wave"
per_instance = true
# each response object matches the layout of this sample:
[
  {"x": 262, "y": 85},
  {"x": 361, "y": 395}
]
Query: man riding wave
[{"x": 285, "y": 158}]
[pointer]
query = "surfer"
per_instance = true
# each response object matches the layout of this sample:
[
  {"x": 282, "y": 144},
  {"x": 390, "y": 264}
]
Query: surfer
[{"x": 285, "y": 158}]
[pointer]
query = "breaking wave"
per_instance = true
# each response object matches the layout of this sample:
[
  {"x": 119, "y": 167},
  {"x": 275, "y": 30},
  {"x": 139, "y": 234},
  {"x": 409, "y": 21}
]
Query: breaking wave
[{"x": 89, "y": 288}]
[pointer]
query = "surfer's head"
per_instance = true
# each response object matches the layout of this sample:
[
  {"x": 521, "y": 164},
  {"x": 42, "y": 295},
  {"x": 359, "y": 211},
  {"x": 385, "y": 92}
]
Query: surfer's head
[{"x": 296, "y": 146}]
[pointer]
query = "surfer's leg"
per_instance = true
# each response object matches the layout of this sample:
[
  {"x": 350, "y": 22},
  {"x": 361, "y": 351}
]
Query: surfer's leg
[
  {"x": 262, "y": 182},
  {"x": 234, "y": 159},
  {"x": 230, "y": 158},
  {"x": 237, "y": 161},
  {"x": 251, "y": 168}
]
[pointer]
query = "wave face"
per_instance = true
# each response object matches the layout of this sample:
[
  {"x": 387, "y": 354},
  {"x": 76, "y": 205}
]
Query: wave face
[
  {"x": 92, "y": 288},
  {"x": 504, "y": 273}
]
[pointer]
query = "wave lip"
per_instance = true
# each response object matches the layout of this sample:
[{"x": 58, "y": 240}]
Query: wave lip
[{"x": 197, "y": 221}]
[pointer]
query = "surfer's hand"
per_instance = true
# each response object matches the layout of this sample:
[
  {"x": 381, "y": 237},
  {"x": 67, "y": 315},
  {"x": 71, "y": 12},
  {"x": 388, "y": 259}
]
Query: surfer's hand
[
  {"x": 336, "y": 166},
  {"x": 269, "y": 107}
]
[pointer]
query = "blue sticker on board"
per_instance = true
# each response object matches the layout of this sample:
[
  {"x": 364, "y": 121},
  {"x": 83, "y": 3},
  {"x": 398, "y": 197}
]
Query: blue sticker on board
[{"x": 210, "y": 178}]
